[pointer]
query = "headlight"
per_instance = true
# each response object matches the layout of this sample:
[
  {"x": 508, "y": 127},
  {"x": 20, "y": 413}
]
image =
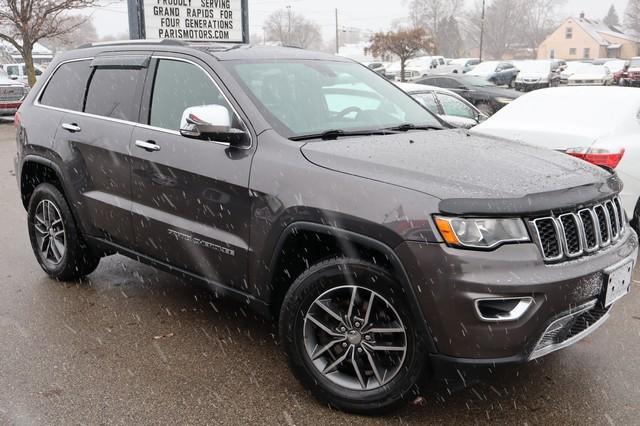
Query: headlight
[
  {"x": 504, "y": 100},
  {"x": 481, "y": 232}
]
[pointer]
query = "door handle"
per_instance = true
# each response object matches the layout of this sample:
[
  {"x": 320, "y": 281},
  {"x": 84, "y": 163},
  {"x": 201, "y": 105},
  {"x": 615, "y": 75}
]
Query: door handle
[
  {"x": 149, "y": 146},
  {"x": 71, "y": 127}
]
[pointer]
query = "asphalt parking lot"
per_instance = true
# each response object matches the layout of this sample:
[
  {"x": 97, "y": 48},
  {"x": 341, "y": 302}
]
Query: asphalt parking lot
[{"x": 132, "y": 345}]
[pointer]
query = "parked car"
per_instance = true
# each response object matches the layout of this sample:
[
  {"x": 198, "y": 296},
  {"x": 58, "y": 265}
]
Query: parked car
[
  {"x": 597, "y": 124},
  {"x": 499, "y": 73},
  {"x": 571, "y": 68},
  {"x": 631, "y": 73},
  {"x": 379, "y": 67},
  {"x": 449, "y": 106},
  {"x": 416, "y": 68},
  {"x": 12, "y": 94},
  {"x": 458, "y": 66},
  {"x": 536, "y": 75},
  {"x": 591, "y": 75},
  {"x": 19, "y": 72},
  {"x": 485, "y": 96},
  {"x": 382, "y": 246}
]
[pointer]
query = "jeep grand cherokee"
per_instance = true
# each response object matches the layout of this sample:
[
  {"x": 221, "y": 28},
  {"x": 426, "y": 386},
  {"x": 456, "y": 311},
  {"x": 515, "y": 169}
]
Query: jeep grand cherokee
[{"x": 318, "y": 193}]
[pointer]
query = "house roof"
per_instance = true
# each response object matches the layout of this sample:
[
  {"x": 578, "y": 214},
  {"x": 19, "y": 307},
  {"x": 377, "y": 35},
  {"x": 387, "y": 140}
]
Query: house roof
[{"x": 599, "y": 31}]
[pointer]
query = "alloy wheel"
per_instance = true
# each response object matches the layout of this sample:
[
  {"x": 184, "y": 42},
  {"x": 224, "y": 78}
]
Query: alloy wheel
[
  {"x": 355, "y": 338},
  {"x": 50, "y": 232}
]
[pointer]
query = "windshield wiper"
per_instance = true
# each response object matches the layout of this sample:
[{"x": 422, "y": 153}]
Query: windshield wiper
[
  {"x": 410, "y": 126},
  {"x": 338, "y": 133}
]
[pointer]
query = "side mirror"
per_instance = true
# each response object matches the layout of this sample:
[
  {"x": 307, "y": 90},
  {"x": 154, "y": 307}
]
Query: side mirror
[
  {"x": 481, "y": 118},
  {"x": 211, "y": 122}
]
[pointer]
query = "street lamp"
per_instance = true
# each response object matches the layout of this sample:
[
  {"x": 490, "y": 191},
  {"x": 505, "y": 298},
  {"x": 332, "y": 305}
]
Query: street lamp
[{"x": 481, "y": 31}]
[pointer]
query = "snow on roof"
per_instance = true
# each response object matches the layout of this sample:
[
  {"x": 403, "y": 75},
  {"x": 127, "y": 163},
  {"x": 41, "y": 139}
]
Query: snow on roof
[{"x": 599, "y": 31}]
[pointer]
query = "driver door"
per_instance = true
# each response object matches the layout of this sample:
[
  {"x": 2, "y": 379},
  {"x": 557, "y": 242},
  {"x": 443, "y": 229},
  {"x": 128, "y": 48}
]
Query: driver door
[{"x": 191, "y": 206}]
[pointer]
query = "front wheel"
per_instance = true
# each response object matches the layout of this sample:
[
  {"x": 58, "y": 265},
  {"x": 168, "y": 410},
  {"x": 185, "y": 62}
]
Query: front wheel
[
  {"x": 55, "y": 239},
  {"x": 350, "y": 338}
]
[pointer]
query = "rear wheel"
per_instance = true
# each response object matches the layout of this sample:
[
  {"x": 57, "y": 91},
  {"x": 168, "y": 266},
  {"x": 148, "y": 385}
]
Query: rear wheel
[
  {"x": 55, "y": 239},
  {"x": 349, "y": 337}
]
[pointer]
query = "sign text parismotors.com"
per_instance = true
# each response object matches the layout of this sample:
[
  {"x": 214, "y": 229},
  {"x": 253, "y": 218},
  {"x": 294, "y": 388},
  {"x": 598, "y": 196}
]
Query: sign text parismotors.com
[{"x": 194, "y": 19}]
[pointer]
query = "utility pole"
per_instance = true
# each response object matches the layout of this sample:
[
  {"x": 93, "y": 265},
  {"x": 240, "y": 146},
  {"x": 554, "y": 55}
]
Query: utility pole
[
  {"x": 289, "y": 27},
  {"x": 481, "y": 31},
  {"x": 337, "y": 34}
]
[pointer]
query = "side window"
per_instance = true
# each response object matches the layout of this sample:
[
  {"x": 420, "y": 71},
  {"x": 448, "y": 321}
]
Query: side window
[
  {"x": 38, "y": 72},
  {"x": 427, "y": 100},
  {"x": 13, "y": 70},
  {"x": 447, "y": 83},
  {"x": 177, "y": 86},
  {"x": 66, "y": 88},
  {"x": 455, "y": 107},
  {"x": 115, "y": 93}
]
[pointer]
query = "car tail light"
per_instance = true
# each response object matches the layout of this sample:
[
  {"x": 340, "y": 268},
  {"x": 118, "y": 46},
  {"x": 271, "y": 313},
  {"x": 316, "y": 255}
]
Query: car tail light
[
  {"x": 598, "y": 156},
  {"x": 16, "y": 120}
]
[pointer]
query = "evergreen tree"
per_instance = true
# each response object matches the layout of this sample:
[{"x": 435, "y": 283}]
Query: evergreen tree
[{"x": 612, "y": 18}]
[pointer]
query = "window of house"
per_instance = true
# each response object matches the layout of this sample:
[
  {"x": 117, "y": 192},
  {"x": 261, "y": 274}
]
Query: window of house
[
  {"x": 573, "y": 51},
  {"x": 587, "y": 53},
  {"x": 568, "y": 33}
]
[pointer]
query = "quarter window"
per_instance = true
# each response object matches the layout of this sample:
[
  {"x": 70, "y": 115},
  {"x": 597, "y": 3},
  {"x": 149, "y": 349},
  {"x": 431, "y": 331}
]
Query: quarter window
[
  {"x": 66, "y": 87},
  {"x": 115, "y": 93},
  {"x": 179, "y": 85},
  {"x": 455, "y": 107},
  {"x": 427, "y": 100}
]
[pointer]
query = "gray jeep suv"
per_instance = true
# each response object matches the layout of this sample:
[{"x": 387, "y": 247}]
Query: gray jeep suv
[{"x": 318, "y": 193}]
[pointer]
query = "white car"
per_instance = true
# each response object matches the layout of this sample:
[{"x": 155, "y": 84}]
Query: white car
[
  {"x": 457, "y": 66},
  {"x": 19, "y": 72},
  {"x": 591, "y": 75},
  {"x": 416, "y": 68},
  {"x": 536, "y": 75},
  {"x": 598, "y": 124},
  {"x": 615, "y": 65},
  {"x": 447, "y": 105},
  {"x": 570, "y": 69}
]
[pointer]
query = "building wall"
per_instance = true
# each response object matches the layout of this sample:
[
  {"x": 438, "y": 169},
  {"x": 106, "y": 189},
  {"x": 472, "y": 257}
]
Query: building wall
[
  {"x": 628, "y": 50},
  {"x": 562, "y": 46}
]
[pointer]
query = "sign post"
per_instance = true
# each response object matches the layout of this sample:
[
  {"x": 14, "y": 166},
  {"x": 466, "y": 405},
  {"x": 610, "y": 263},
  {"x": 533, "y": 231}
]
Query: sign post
[{"x": 189, "y": 20}]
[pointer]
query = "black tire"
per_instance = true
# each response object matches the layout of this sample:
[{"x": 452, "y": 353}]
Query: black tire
[
  {"x": 635, "y": 220},
  {"x": 76, "y": 260},
  {"x": 335, "y": 274}
]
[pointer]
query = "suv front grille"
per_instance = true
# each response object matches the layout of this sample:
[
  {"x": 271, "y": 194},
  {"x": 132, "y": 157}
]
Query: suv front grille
[{"x": 571, "y": 235}]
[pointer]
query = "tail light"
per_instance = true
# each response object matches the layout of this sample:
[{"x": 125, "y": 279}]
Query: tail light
[
  {"x": 16, "y": 120},
  {"x": 603, "y": 157}
]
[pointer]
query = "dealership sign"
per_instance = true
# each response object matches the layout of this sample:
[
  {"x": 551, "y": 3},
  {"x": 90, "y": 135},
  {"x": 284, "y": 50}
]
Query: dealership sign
[{"x": 192, "y": 20}]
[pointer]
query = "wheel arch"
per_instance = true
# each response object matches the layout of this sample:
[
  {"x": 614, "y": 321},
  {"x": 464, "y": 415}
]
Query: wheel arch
[
  {"x": 347, "y": 243},
  {"x": 36, "y": 170}
]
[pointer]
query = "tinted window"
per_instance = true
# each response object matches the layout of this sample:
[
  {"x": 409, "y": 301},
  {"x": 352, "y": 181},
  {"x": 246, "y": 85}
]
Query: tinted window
[
  {"x": 66, "y": 87},
  {"x": 448, "y": 83},
  {"x": 179, "y": 85},
  {"x": 13, "y": 70},
  {"x": 115, "y": 93}
]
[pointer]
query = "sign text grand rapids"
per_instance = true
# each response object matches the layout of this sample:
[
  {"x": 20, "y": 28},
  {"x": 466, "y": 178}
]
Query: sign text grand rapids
[{"x": 219, "y": 20}]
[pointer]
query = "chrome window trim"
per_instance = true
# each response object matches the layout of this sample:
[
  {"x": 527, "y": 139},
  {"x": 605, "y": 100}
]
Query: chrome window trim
[
  {"x": 37, "y": 103},
  {"x": 560, "y": 245},
  {"x": 564, "y": 235},
  {"x": 596, "y": 230}
]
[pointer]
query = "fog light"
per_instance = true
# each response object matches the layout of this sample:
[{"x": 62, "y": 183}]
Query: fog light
[{"x": 502, "y": 309}]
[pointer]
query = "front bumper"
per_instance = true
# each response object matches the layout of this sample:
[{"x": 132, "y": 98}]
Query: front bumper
[
  {"x": 448, "y": 281},
  {"x": 530, "y": 86}
]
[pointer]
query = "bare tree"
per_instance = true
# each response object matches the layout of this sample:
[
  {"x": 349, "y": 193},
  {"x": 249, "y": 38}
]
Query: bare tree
[
  {"x": 84, "y": 32},
  {"x": 632, "y": 15},
  {"x": 540, "y": 19},
  {"x": 434, "y": 16},
  {"x": 25, "y": 22},
  {"x": 612, "y": 19},
  {"x": 405, "y": 44},
  {"x": 292, "y": 29},
  {"x": 502, "y": 27}
]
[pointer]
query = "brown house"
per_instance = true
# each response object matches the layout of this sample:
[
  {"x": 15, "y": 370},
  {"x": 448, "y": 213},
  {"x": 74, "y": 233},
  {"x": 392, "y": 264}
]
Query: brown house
[{"x": 582, "y": 38}]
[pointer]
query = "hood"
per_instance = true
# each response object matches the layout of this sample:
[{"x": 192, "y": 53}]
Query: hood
[
  {"x": 454, "y": 164},
  {"x": 588, "y": 76}
]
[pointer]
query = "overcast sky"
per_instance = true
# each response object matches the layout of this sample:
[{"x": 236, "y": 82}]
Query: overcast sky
[{"x": 366, "y": 14}]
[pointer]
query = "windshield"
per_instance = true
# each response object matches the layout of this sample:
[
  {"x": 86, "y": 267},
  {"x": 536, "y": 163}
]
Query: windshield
[
  {"x": 484, "y": 68},
  {"x": 535, "y": 67},
  {"x": 310, "y": 97}
]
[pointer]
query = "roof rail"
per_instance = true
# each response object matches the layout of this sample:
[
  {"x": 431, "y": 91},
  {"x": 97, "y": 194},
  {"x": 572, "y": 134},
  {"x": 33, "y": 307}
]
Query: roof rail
[{"x": 167, "y": 41}]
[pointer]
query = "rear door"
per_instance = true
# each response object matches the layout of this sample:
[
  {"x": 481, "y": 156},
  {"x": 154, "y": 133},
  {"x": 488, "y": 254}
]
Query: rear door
[
  {"x": 191, "y": 204},
  {"x": 96, "y": 143}
]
